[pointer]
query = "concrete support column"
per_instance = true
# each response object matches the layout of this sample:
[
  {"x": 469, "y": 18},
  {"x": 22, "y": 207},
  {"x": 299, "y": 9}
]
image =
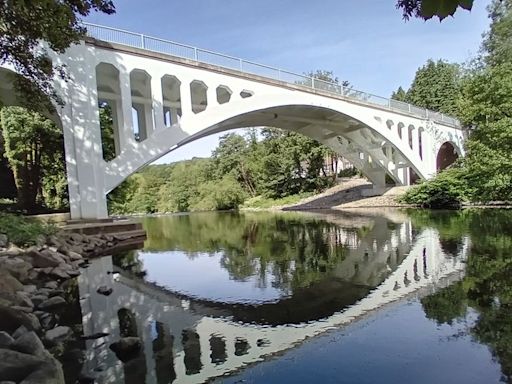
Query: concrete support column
[
  {"x": 211, "y": 97},
  {"x": 158, "y": 105},
  {"x": 126, "y": 138},
  {"x": 186, "y": 98},
  {"x": 84, "y": 156}
]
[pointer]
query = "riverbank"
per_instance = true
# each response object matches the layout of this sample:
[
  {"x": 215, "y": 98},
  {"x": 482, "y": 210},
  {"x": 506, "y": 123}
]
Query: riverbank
[
  {"x": 348, "y": 193},
  {"x": 40, "y": 324}
]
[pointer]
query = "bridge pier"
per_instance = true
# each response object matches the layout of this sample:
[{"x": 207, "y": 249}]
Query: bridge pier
[{"x": 83, "y": 149}]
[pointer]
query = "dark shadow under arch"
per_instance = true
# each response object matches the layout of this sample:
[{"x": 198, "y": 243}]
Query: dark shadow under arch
[{"x": 446, "y": 156}]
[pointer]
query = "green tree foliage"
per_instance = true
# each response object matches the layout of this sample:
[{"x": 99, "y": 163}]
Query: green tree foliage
[
  {"x": 273, "y": 163},
  {"x": 399, "y": 95},
  {"x": 57, "y": 22},
  {"x": 484, "y": 106},
  {"x": 436, "y": 86},
  {"x": 497, "y": 44},
  {"x": 447, "y": 190},
  {"x": 426, "y": 9},
  {"x": 107, "y": 132},
  {"x": 34, "y": 150}
]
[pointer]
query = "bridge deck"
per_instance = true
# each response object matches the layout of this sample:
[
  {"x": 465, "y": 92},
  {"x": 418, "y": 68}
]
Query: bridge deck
[{"x": 260, "y": 72}]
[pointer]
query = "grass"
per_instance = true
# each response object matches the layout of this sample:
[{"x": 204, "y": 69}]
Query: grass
[
  {"x": 23, "y": 230},
  {"x": 265, "y": 202}
]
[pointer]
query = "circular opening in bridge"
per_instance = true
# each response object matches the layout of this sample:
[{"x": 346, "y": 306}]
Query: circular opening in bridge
[{"x": 446, "y": 156}]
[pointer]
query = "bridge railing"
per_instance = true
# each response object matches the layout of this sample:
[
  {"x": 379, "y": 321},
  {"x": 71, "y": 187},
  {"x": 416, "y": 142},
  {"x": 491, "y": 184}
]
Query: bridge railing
[{"x": 155, "y": 44}]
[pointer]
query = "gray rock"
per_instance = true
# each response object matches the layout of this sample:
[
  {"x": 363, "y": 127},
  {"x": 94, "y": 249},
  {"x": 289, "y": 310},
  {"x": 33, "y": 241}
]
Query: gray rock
[
  {"x": 76, "y": 237},
  {"x": 48, "y": 320},
  {"x": 48, "y": 373},
  {"x": 7, "y": 382},
  {"x": 40, "y": 260},
  {"x": 17, "y": 267},
  {"x": 59, "y": 273},
  {"x": 29, "y": 343},
  {"x": 23, "y": 309},
  {"x": 24, "y": 300},
  {"x": 58, "y": 334},
  {"x": 15, "y": 365},
  {"x": 52, "y": 303},
  {"x": 104, "y": 290},
  {"x": 11, "y": 319},
  {"x": 73, "y": 273},
  {"x": 126, "y": 348},
  {"x": 5, "y": 339},
  {"x": 74, "y": 256},
  {"x": 56, "y": 292},
  {"x": 51, "y": 285},
  {"x": 3, "y": 240},
  {"x": 30, "y": 288},
  {"x": 19, "y": 332},
  {"x": 53, "y": 254},
  {"x": 8, "y": 283},
  {"x": 38, "y": 299}
]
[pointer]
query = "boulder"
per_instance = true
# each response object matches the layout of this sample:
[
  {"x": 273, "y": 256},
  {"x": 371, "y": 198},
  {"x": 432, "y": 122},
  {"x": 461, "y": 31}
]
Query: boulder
[
  {"x": 48, "y": 321},
  {"x": 58, "y": 334},
  {"x": 52, "y": 303},
  {"x": 3, "y": 240},
  {"x": 59, "y": 273},
  {"x": 40, "y": 260},
  {"x": 30, "y": 288},
  {"x": 104, "y": 290},
  {"x": 16, "y": 366},
  {"x": 24, "y": 300},
  {"x": 13, "y": 250},
  {"x": 8, "y": 283},
  {"x": 74, "y": 256},
  {"x": 19, "y": 332},
  {"x": 29, "y": 343},
  {"x": 17, "y": 267},
  {"x": 126, "y": 348},
  {"x": 53, "y": 254},
  {"x": 11, "y": 319},
  {"x": 5, "y": 339},
  {"x": 76, "y": 237},
  {"x": 48, "y": 373},
  {"x": 38, "y": 299},
  {"x": 51, "y": 285}
]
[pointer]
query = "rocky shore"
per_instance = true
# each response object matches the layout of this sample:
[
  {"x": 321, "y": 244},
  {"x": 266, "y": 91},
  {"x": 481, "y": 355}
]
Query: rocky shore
[{"x": 35, "y": 286}]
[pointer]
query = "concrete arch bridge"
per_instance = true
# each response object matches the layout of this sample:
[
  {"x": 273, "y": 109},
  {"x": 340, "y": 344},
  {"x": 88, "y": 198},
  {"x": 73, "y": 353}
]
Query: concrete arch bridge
[{"x": 164, "y": 95}]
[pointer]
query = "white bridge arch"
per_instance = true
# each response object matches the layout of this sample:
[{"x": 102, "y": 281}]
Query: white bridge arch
[{"x": 178, "y": 96}]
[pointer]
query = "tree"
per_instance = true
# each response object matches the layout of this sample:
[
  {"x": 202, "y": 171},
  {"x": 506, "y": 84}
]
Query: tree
[
  {"x": 426, "y": 9},
  {"x": 33, "y": 144},
  {"x": 57, "y": 22},
  {"x": 497, "y": 44},
  {"x": 399, "y": 95},
  {"x": 436, "y": 86}
]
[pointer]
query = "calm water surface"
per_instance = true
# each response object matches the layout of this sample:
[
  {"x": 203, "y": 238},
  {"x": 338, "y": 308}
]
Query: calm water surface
[{"x": 367, "y": 297}]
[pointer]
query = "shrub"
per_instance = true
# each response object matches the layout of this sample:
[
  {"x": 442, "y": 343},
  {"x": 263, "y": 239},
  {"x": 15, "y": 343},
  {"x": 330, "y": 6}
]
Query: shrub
[
  {"x": 23, "y": 230},
  {"x": 447, "y": 190}
]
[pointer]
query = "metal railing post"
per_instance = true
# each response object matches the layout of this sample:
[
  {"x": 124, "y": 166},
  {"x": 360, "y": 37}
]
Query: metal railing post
[
  {"x": 279, "y": 74},
  {"x": 195, "y": 54},
  {"x": 312, "y": 82},
  {"x": 142, "y": 41},
  {"x": 241, "y": 65}
]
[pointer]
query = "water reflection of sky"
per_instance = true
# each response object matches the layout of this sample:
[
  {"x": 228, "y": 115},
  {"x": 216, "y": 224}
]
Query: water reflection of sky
[{"x": 178, "y": 272}]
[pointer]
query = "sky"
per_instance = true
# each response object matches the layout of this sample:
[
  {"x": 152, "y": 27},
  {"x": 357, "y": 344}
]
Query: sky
[{"x": 365, "y": 42}]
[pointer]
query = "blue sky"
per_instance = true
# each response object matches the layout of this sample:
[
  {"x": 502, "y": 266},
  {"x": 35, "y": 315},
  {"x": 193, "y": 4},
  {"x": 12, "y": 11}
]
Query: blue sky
[{"x": 365, "y": 42}]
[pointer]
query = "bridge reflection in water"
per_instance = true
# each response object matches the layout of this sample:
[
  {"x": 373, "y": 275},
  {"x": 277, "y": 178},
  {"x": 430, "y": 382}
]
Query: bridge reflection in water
[{"x": 190, "y": 339}]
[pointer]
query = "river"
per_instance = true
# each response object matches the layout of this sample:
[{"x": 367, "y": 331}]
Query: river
[{"x": 369, "y": 296}]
